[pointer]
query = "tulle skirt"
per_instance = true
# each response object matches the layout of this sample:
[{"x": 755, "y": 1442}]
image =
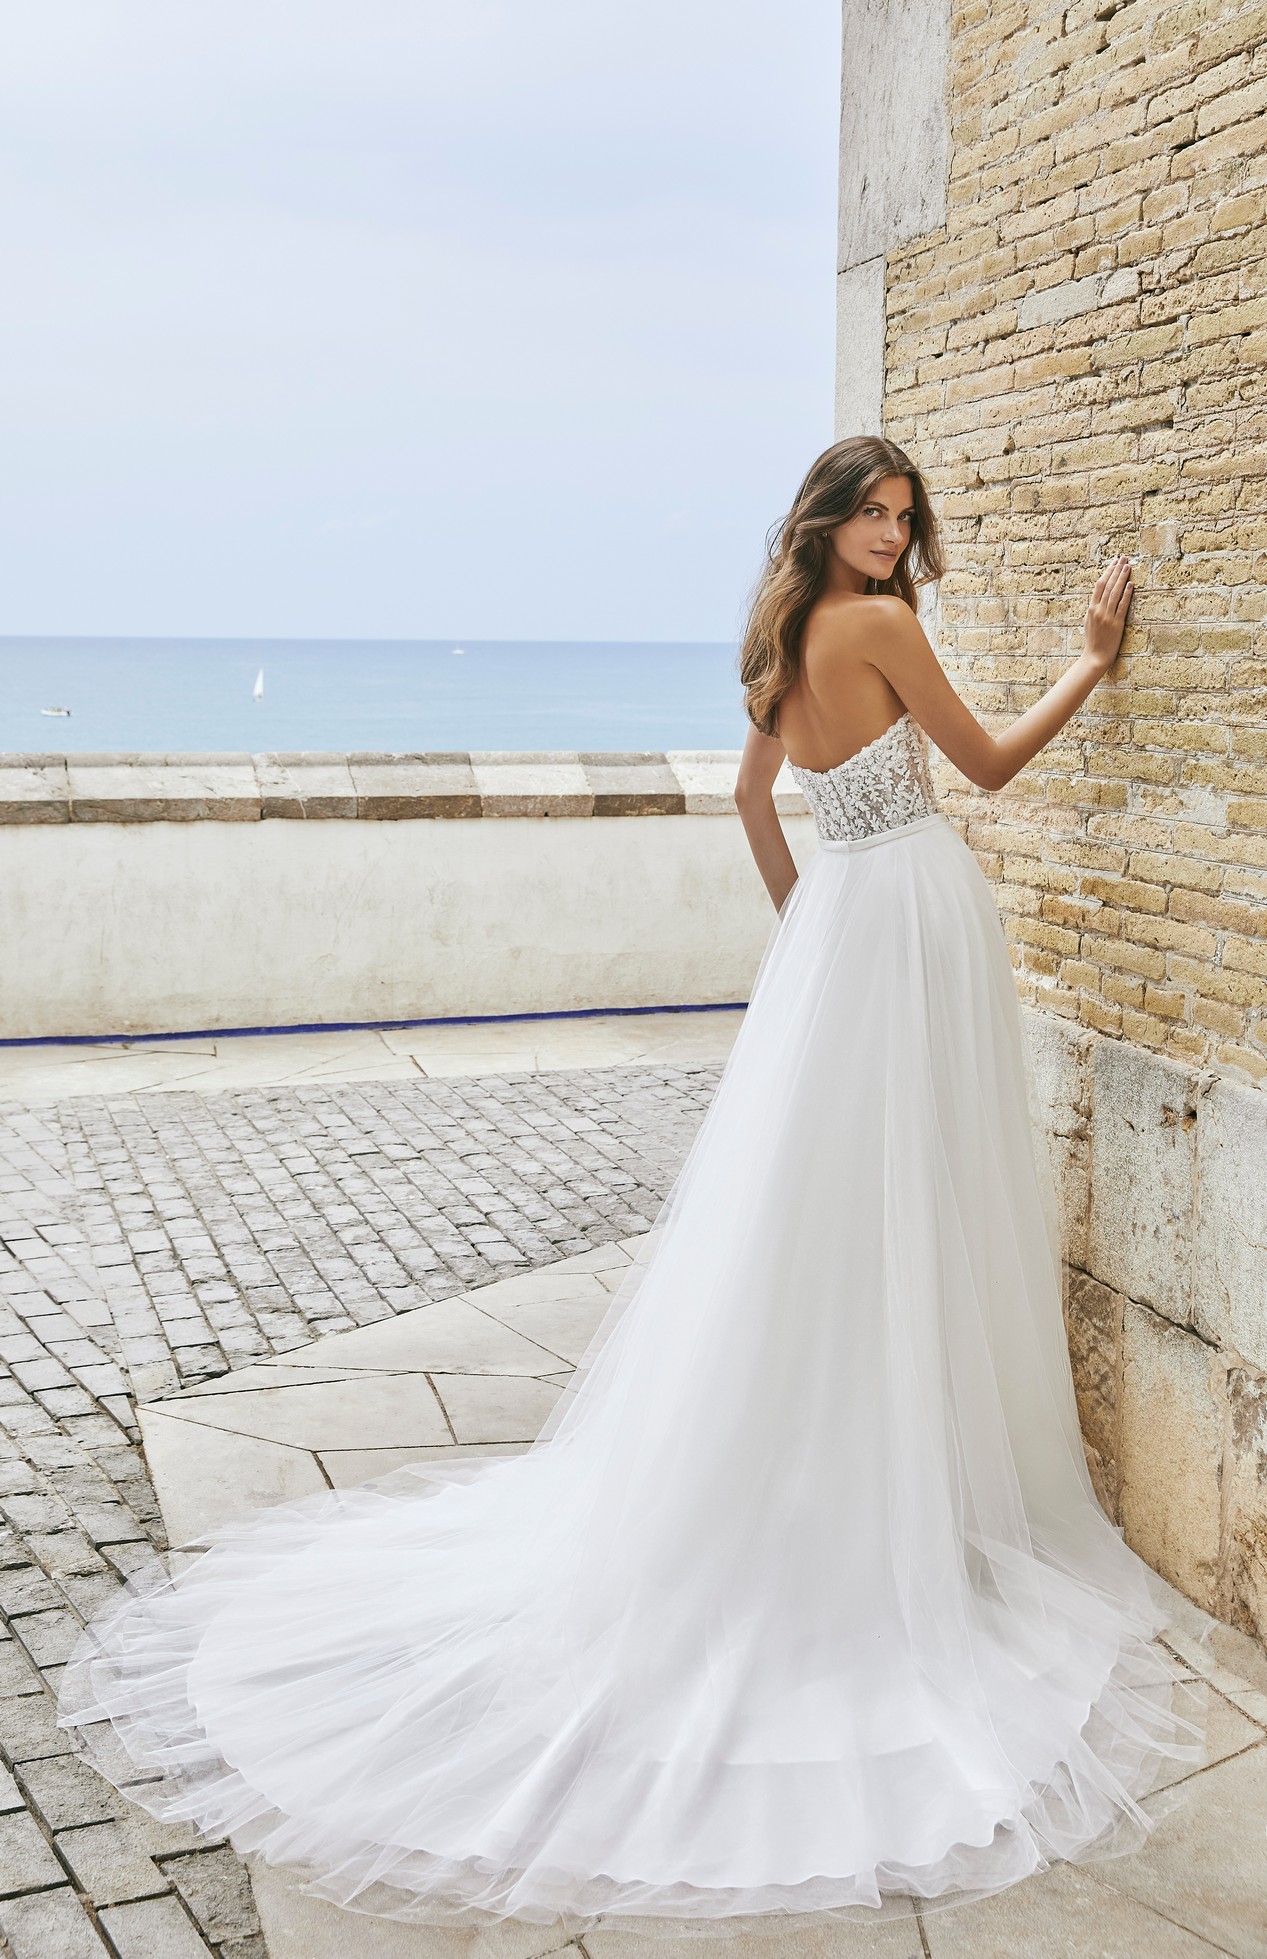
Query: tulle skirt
[{"x": 803, "y": 1597}]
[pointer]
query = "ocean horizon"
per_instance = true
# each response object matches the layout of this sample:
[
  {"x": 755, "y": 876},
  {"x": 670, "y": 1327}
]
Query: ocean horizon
[{"x": 197, "y": 696}]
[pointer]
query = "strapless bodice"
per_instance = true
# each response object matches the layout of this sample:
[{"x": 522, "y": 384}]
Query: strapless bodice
[{"x": 886, "y": 784}]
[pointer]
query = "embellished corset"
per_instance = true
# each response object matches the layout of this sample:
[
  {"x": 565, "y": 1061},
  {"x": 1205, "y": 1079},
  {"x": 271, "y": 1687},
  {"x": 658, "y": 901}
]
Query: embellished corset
[{"x": 886, "y": 784}]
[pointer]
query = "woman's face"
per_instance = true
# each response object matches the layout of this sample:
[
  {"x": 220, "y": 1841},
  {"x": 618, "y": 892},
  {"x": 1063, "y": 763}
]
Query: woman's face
[{"x": 876, "y": 535}]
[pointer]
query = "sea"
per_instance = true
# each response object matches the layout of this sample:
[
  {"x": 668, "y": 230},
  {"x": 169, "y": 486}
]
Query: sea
[{"x": 203, "y": 696}]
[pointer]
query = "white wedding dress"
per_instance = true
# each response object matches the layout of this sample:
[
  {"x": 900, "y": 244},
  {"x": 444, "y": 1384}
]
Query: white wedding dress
[{"x": 803, "y": 1597}]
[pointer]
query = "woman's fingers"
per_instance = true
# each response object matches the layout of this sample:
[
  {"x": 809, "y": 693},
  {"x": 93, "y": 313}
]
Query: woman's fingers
[{"x": 1114, "y": 581}]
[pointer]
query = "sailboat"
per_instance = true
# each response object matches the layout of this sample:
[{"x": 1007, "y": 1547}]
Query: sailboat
[{"x": 257, "y": 692}]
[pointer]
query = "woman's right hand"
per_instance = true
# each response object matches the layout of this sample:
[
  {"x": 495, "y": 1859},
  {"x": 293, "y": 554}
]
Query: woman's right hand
[{"x": 1105, "y": 620}]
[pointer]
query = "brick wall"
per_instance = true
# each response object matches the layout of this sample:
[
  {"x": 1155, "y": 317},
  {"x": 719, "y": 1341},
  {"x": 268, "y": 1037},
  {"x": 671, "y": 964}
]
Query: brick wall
[{"x": 1079, "y": 360}]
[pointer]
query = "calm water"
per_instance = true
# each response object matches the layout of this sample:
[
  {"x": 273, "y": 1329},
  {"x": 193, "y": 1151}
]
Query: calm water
[{"x": 195, "y": 696}]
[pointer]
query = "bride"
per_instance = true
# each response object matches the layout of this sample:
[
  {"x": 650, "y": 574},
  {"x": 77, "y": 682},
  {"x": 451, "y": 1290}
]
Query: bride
[{"x": 803, "y": 1597}]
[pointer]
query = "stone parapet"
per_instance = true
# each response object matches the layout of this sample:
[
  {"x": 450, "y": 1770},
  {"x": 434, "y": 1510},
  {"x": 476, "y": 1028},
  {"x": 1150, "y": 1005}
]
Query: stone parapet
[{"x": 120, "y": 788}]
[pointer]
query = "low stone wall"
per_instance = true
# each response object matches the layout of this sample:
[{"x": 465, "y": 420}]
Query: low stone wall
[
  {"x": 1162, "y": 1173},
  {"x": 161, "y": 894}
]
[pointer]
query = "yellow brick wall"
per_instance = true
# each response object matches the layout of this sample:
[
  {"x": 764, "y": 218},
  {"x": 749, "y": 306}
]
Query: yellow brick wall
[{"x": 1080, "y": 363}]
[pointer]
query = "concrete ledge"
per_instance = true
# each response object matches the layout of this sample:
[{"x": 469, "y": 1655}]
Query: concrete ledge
[{"x": 119, "y": 788}]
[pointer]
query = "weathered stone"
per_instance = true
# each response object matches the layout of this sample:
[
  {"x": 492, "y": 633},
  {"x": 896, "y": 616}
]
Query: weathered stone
[
  {"x": 1231, "y": 1220},
  {"x": 396, "y": 788},
  {"x": 109, "y": 1864},
  {"x": 67, "y": 1791},
  {"x": 26, "y": 1862},
  {"x": 49, "y": 1637},
  {"x": 1065, "y": 301},
  {"x": 1062, "y": 1065},
  {"x": 217, "y": 1891},
  {"x": 28, "y": 1727},
  {"x": 158, "y": 792},
  {"x": 1203, "y": 1866},
  {"x": 1143, "y": 1176},
  {"x": 1244, "y": 1593},
  {"x": 532, "y": 785},
  {"x": 155, "y": 1928},
  {"x": 35, "y": 794},
  {"x": 895, "y": 127},
  {"x": 50, "y": 1925},
  {"x": 632, "y": 785},
  {"x": 706, "y": 778},
  {"x": 1171, "y": 1453},
  {"x": 305, "y": 786},
  {"x": 1093, "y": 1320}
]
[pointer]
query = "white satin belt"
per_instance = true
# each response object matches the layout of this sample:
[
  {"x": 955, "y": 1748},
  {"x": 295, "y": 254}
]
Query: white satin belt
[{"x": 881, "y": 836}]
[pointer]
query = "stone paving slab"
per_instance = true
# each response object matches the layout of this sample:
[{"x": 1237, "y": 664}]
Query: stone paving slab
[{"x": 55, "y": 1071}]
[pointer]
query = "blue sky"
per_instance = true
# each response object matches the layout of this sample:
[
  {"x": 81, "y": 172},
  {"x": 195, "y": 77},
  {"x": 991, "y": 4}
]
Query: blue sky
[{"x": 399, "y": 318}]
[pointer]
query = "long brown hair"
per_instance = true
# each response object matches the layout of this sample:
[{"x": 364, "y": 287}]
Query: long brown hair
[{"x": 835, "y": 490}]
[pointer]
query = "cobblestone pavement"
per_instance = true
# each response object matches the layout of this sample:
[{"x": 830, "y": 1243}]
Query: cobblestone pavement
[{"x": 147, "y": 1243}]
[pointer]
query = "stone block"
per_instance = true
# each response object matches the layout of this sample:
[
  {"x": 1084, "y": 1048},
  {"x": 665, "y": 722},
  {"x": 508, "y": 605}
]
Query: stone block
[
  {"x": 305, "y": 786},
  {"x": 110, "y": 1864},
  {"x": 157, "y": 792},
  {"x": 1065, "y": 301},
  {"x": 50, "y": 1925},
  {"x": 532, "y": 785},
  {"x": 26, "y": 1862},
  {"x": 1230, "y": 1290},
  {"x": 66, "y": 1791},
  {"x": 1171, "y": 1452},
  {"x": 204, "y": 1477},
  {"x": 1093, "y": 1320},
  {"x": 1143, "y": 1177},
  {"x": 1203, "y": 1866},
  {"x": 1062, "y": 1071},
  {"x": 633, "y": 785},
  {"x": 1244, "y": 1592},
  {"x": 28, "y": 1727},
  {"x": 31, "y": 794},
  {"x": 1064, "y": 1913},
  {"x": 217, "y": 1891},
  {"x": 860, "y": 349},
  {"x": 154, "y": 1928},
  {"x": 894, "y": 126},
  {"x": 706, "y": 778},
  {"x": 392, "y": 789}
]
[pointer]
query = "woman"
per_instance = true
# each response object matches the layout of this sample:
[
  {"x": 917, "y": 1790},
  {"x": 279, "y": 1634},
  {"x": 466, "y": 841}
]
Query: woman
[{"x": 803, "y": 1598}]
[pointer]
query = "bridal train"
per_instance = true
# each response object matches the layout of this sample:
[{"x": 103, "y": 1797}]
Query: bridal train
[{"x": 803, "y": 1597}]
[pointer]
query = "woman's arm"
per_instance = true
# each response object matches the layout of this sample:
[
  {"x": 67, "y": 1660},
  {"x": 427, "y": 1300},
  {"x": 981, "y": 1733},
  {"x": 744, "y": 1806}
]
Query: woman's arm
[
  {"x": 903, "y": 655},
  {"x": 754, "y": 799}
]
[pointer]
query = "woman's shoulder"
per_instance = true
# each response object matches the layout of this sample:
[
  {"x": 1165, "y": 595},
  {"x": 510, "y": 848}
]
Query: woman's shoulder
[{"x": 849, "y": 624}]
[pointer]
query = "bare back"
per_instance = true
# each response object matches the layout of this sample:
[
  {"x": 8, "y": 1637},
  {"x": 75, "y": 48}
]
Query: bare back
[{"x": 840, "y": 700}]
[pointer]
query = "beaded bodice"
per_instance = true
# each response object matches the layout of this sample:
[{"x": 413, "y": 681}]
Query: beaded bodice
[{"x": 884, "y": 785}]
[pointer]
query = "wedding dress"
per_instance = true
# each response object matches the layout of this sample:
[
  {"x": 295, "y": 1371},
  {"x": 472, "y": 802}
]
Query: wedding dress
[{"x": 803, "y": 1596}]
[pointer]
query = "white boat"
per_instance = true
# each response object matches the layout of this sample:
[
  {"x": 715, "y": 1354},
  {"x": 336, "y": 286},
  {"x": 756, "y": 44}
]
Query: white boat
[
  {"x": 257, "y": 692},
  {"x": 54, "y": 710},
  {"x": 459, "y": 649}
]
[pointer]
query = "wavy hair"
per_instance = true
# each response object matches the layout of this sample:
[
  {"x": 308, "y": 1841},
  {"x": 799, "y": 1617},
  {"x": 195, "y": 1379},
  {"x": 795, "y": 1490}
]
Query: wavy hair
[{"x": 835, "y": 489}]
